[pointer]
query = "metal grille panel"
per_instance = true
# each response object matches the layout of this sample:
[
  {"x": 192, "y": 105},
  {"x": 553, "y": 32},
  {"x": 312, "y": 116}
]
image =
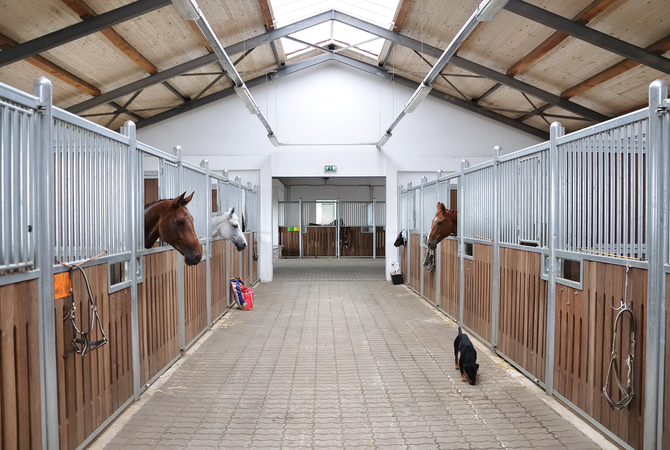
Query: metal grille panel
[
  {"x": 91, "y": 191},
  {"x": 603, "y": 194},
  {"x": 478, "y": 207},
  {"x": 289, "y": 214},
  {"x": 17, "y": 187}
]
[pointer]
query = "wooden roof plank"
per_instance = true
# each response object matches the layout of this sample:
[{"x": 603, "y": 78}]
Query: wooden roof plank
[
  {"x": 586, "y": 34},
  {"x": 53, "y": 69},
  {"x": 77, "y": 31},
  {"x": 658, "y": 48}
]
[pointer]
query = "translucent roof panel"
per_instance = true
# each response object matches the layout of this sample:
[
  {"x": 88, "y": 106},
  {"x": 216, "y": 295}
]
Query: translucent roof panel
[{"x": 378, "y": 12}]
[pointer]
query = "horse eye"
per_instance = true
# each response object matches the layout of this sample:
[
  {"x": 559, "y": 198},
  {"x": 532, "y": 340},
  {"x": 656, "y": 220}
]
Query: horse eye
[
  {"x": 180, "y": 223},
  {"x": 235, "y": 225}
]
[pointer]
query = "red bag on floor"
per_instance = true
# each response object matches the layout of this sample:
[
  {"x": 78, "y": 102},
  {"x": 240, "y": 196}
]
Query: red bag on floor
[{"x": 243, "y": 295}]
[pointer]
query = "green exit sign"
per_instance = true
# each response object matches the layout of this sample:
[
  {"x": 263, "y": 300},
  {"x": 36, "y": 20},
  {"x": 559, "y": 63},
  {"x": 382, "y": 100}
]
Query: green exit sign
[{"x": 330, "y": 168}]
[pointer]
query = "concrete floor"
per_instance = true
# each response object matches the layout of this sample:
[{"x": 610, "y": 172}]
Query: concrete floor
[{"x": 333, "y": 356}]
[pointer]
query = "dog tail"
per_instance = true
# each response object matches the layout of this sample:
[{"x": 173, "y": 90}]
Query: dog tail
[{"x": 459, "y": 331}]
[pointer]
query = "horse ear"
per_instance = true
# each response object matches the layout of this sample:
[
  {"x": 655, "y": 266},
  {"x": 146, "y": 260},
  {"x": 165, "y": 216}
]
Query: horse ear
[
  {"x": 440, "y": 206},
  {"x": 179, "y": 200},
  {"x": 232, "y": 211},
  {"x": 185, "y": 201}
]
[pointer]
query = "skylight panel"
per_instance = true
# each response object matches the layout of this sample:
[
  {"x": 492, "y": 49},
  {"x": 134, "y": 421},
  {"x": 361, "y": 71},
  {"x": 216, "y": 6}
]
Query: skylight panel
[{"x": 378, "y": 12}]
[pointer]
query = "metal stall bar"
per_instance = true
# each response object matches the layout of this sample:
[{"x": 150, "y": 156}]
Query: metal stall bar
[
  {"x": 556, "y": 131},
  {"x": 495, "y": 271},
  {"x": 180, "y": 261},
  {"x": 657, "y": 238},
  {"x": 208, "y": 235},
  {"x": 129, "y": 130},
  {"x": 44, "y": 258},
  {"x": 461, "y": 234}
]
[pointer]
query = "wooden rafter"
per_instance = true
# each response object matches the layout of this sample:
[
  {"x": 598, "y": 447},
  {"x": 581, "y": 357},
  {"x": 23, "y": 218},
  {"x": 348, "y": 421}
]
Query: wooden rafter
[
  {"x": 658, "y": 48},
  {"x": 53, "y": 69},
  {"x": 402, "y": 14},
  {"x": 267, "y": 14},
  {"x": 85, "y": 12},
  {"x": 555, "y": 39}
]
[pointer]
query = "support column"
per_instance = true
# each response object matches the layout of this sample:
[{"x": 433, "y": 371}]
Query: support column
[
  {"x": 555, "y": 132},
  {"x": 495, "y": 282},
  {"x": 132, "y": 221},
  {"x": 208, "y": 245},
  {"x": 657, "y": 252},
  {"x": 461, "y": 243},
  {"x": 180, "y": 260},
  {"x": 45, "y": 261}
]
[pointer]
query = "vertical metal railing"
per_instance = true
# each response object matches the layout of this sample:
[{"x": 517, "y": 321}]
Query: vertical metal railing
[{"x": 18, "y": 122}]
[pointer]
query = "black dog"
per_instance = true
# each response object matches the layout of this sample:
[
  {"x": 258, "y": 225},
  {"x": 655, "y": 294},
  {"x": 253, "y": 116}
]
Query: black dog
[{"x": 468, "y": 360}]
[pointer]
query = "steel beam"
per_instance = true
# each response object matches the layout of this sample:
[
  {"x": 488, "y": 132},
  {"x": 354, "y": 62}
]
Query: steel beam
[
  {"x": 368, "y": 68},
  {"x": 202, "y": 61},
  {"x": 586, "y": 34},
  {"x": 470, "y": 66},
  {"x": 79, "y": 30}
]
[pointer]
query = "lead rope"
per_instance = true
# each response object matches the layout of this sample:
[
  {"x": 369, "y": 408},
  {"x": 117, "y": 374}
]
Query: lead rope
[
  {"x": 627, "y": 393},
  {"x": 82, "y": 344}
]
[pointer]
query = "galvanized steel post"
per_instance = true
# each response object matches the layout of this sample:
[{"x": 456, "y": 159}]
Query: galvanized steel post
[
  {"x": 45, "y": 260},
  {"x": 408, "y": 247},
  {"x": 399, "y": 208},
  {"x": 337, "y": 228},
  {"x": 128, "y": 130},
  {"x": 208, "y": 244},
  {"x": 422, "y": 243},
  {"x": 495, "y": 282},
  {"x": 657, "y": 252},
  {"x": 180, "y": 261},
  {"x": 555, "y": 132},
  {"x": 374, "y": 231},
  {"x": 300, "y": 223},
  {"x": 460, "y": 228},
  {"x": 438, "y": 266},
  {"x": 240, "y": 192}
]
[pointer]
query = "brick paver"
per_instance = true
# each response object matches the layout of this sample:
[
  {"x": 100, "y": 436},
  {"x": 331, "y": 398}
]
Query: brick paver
[{"x": 357, "y": 363}]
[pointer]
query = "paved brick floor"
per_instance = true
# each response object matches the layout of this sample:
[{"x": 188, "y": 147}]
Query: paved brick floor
[{"x": 339, "y": 364}]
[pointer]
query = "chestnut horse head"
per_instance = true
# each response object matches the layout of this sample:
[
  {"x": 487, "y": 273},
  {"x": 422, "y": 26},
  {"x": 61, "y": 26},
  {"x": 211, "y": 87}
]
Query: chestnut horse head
[
  {"x": 444, "y": 224},
  {"x": 171, "y": 221}
]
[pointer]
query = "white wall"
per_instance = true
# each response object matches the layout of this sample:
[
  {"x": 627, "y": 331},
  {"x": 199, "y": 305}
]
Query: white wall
[{"x": 332, "y": 114}]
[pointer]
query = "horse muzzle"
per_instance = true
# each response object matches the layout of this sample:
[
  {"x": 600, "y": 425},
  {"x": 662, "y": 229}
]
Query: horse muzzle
[
  {"x": 432, "y": 244},
  {"x": 192, "y": 260},
  {"x": 240, "y": 246}
]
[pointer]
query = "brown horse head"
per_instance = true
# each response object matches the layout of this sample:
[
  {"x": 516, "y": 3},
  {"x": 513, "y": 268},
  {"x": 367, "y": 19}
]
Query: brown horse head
[
  {"x": 444, "y": 224},
  {"x": 171, "y": 221}
]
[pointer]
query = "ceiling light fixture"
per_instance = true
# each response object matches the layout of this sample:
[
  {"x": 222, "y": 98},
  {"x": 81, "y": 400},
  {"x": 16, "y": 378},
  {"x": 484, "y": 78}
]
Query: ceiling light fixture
[
  {"x": 273, "y": 140},
  {"x": 189, "y": 10},
  {"x": 490, "y": 10},
  {"x": 247, "y": 99},
  {"x": 418, "y": 96},
  {"x": 186, "y": 9},
  {"x": 486, "y": 10}
]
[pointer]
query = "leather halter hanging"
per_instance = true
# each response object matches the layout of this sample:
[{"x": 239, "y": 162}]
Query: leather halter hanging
[
  {"x": 628, "y": 392},
  {"x": 82, "y": 345}
]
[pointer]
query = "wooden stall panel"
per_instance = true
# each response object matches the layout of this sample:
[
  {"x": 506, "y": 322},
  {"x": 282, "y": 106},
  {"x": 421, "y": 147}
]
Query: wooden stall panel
[
  {"x": 359, "y": 242},
  {"x": 195, "y": 300},
  {"x": 290, "y": 240},
  {"x": 157, "y": 299},
  {"x": 20, "y": 422},
  {"x": 246, "y": 261},
  {"x": 584, "y": 328},
  {"x": 319, "y": 241},
  {"x": 92, "y": 388},
  {"x": 218, "y": 278},
  {"x": 150, "y": 190},
  {"x": 429, "y": 280},
  {"x": 402, "y": 264},
  {"x": 477, "y": 291},
  {"x": 233, "y": 261},
  {"x": 522, "y": 310},
  {"x": 449, "y": 277},
  {"x": 254, "y": 262},
  {"x": 666, "y": 391},
  {"x": 380, "y": 240},
  {"x": 415, "y": 262}
]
